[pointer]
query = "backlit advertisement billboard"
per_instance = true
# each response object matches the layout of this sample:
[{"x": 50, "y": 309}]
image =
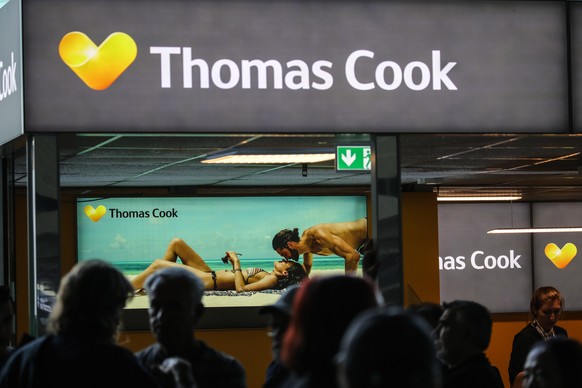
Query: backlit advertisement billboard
[
  {"x": 501, "y": 271},
  {"x": 132, "y": 232}
]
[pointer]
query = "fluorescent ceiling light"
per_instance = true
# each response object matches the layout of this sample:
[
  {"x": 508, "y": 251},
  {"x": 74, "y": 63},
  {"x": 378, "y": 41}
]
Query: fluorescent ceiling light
[
  {"x": 560, "y": 229},
  {"x": 270, "y": 156},
  {"x": 475, "y": 198}
]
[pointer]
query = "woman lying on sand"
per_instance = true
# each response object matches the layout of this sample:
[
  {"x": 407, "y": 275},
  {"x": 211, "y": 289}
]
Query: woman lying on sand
[{"x": 284, "y": 272}]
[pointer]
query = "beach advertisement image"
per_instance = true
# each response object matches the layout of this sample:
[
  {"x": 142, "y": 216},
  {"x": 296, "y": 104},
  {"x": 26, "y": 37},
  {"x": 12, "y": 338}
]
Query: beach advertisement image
[{"x": 246, "y": 250}]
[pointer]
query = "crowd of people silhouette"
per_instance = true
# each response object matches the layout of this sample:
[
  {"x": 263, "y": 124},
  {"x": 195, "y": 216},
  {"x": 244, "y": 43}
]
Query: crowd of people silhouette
[{"x": 328, "y": 331}]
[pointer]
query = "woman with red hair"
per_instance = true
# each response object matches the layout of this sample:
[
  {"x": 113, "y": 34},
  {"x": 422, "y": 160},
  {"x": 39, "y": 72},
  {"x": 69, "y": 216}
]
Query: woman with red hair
[{"x": 546, "y": 308}]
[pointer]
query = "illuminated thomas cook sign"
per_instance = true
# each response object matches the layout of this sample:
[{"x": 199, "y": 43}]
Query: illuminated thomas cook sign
[
  {"x": 8, "y": 84},
  {"x": 98, "y": 66},
  {"x": 560, "y": 257},
  {"x": 297, "y": 74},
  {"x": 481, "y": 261}
]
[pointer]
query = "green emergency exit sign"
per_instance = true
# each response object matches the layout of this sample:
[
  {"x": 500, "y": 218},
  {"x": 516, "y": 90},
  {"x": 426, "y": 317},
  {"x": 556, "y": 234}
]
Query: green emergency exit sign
[{"x": 353, "y": 158}]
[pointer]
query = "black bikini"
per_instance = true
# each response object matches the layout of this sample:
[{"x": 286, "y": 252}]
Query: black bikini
[{"x": 213, "y": 273}]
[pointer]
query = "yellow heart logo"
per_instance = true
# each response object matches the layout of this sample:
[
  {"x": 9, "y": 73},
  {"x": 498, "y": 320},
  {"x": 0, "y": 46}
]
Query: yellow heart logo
[
  {"x": 99, "y": 66},
  {"x": 560, "y": 257},
  {"x": 95, "y": 214}
]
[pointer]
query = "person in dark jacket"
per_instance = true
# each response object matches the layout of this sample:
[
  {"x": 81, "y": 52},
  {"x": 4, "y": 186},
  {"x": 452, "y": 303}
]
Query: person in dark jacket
[
  {"x": 546, "y": 308},
  {"x": 387, "y": 347},
  {"x": 80, "y": 349},
  {"x": 323, "y": 309},
  {"x": 555, "y": 363},
  {"x": 175, "y": 296},
  {"x": 464, "y": 333}
]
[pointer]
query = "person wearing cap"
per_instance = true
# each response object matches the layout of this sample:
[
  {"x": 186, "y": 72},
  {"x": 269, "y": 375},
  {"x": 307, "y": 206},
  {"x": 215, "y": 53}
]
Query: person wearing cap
[{"x": 279, "y": 316}]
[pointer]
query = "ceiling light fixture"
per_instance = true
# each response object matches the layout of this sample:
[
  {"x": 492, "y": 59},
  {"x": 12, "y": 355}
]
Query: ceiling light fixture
[
  {"x": 480, "y": 198},
  {"x": 559, "y": 229},
  {"x": 270, "y": 156}
]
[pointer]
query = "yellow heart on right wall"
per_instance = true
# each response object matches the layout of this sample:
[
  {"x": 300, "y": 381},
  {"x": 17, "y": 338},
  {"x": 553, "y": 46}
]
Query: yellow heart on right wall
[{"x": 560, "y": 257}]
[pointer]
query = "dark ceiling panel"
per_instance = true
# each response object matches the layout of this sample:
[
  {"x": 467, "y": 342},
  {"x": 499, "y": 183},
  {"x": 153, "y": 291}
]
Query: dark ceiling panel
[{"x": 542, "y": 167}]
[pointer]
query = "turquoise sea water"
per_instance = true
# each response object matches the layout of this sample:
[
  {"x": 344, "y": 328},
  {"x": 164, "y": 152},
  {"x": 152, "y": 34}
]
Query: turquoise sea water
[{"x": 133, "y": 267}]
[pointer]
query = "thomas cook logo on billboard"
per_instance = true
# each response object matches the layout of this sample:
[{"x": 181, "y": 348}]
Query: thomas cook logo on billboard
[
  {"x": 98, "y": 66},
  {"x": 95, "y": 214},
  {"x": 560, "y": 257}
]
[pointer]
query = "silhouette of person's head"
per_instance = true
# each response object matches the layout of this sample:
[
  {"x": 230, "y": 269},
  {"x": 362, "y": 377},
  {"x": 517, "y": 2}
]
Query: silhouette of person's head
[
  {"x": 387, "y": 347},
  {"x": 464, "y": 330},
  {"x": 90, "y": 300},
  {"x": 324, "y": 308},
  {"x": 555, "y": 363},
  {"x": 175, "y": 296}
]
